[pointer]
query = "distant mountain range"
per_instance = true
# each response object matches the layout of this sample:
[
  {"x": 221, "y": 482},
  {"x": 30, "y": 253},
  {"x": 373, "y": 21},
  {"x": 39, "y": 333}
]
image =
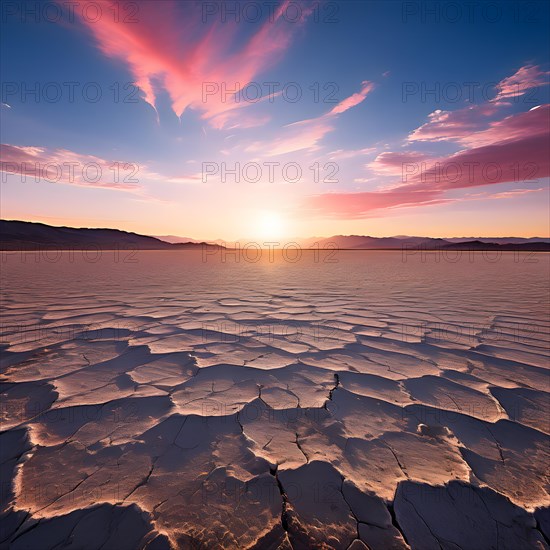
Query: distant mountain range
[
  {"x": 20, "y": 235},
  {"x": 361, "y": 242},
  {"x": 174, "y": 239}
]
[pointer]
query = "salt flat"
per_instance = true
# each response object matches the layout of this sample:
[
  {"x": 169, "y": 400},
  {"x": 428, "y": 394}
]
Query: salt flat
[{"x": 379, "y": 401}]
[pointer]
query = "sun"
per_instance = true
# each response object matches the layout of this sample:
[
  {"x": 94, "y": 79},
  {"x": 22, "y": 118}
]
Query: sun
[{"x": 270, "y": 226}]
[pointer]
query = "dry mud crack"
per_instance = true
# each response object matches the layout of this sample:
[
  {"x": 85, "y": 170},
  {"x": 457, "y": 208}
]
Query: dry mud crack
[{"x": 360, "y": 433}]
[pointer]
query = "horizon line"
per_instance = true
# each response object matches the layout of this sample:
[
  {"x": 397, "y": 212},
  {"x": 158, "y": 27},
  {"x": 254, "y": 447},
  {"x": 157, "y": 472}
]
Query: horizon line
[{"x": 283, "y": 239}]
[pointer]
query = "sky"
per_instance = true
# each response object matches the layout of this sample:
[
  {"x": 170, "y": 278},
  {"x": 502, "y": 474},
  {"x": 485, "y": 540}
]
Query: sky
[{"x": 275, "y": 120}]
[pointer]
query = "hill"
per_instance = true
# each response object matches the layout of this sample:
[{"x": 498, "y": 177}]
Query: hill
[{"x": 19, "y": 235}]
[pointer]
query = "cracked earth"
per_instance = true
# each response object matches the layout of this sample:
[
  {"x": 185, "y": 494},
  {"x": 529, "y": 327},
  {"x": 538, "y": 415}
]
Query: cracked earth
[{"x": 369, "y": 403}]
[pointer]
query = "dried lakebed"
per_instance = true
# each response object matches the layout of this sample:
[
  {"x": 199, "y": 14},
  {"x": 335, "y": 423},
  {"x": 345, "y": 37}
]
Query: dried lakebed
[{"x": 373, "y": 402}]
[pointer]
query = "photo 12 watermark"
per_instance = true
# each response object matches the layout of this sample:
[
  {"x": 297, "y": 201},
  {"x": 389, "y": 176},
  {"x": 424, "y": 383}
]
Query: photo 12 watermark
[
  {"x": 228, "y": 331},
  {"x": 269, "y": 172},
  {"x": 71, "y": 171},
  {"x": 245, "y": 11},
  {"x": 470, "y": 92},
  {"x": 29, "y": 253},
  {"x": 270, "y": 91},
  {"x": 67, "y": 11},
  {"x": 469, "y": 172},
  {"x": 471, "y": 12},
  {"x": 471, "y": 252},
  {"x": 68, "y": 92},
  {"x": 270, "y": 251}
]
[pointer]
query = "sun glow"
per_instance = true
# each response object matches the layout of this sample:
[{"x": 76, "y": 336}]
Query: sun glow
[{"x": 270, "y": 226}]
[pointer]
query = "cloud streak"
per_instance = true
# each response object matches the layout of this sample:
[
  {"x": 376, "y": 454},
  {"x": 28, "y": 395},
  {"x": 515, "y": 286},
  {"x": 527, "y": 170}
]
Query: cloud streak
[
  {"x": 524, "y": 79},
  {"x": 305, "y": 135},
  {"x": 354, "y": 99},
  {"x": 468, "y": 125},
  {"x": 67, "y": 167},
  {"x": 71, "y": 168},
  {"x": 514, "y": 149},
  {"x": 173, "y": 49}
]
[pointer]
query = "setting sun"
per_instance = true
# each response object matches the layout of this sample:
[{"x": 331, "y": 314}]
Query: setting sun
[{"x": 270, "y": 226}]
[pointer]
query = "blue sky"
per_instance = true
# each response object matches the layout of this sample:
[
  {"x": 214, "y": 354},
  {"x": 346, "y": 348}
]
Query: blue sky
[{"x": 363, "y": 58}]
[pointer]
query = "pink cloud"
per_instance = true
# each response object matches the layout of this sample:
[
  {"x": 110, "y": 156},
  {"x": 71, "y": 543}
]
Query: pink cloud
[
  {"x": 516, "y": 193},
  {"x": 519, "y": 160},
  {"x": 67, "y": 167},
  {"x": 468, "y": 128},
  {"x": 468, "y": 125},
  {"x": 234, "y": 119},
  {"x": 512, "y": 149},
  {"x": 63, "y": 166},
  {"x": 174, "y": 49},
  {"x": 517, "y": 152},
  {"x": 454, "y": 125},
  {"x": 306, "y": 134},
  {"x": 535, "y": 122},
  {"x": 524, "y": 79},
  {"x": 354, "y": 99},
  {"x": 349, "y": 205},
  {"x": 392, "y": 163},
  {"x": 299, "y": 136}
]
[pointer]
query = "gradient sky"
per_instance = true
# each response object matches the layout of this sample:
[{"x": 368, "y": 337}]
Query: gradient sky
[{"x": 421, "y": 122}]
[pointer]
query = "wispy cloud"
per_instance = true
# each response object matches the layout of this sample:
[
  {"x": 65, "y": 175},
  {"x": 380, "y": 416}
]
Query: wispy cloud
[
  {"x": 354, "y": 205},
  {"x": 344, "y": 154},
  {"x": 71, "y": 168},
  {"x": 305, "y": 135},
  {"x": 391, "y": 163},
  {"x": 514, "y": 149},
  {"x": 455, "y": 125},
  {"x": 67, "y": 167},
  {"x": 299, "y": 136},
  {"x": 354, "y": 99},
  {"x": 524, "y": 79},
  {"x": 173, "y": 49},
  {"x": 513, "y": 193},
  {"x": 535, "y": 122},
  {"x": 467, "y": 125}
]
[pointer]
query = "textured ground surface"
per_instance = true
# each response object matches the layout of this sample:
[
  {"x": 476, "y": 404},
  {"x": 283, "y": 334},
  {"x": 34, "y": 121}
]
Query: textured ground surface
[{"x": 368, "y": 403}]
